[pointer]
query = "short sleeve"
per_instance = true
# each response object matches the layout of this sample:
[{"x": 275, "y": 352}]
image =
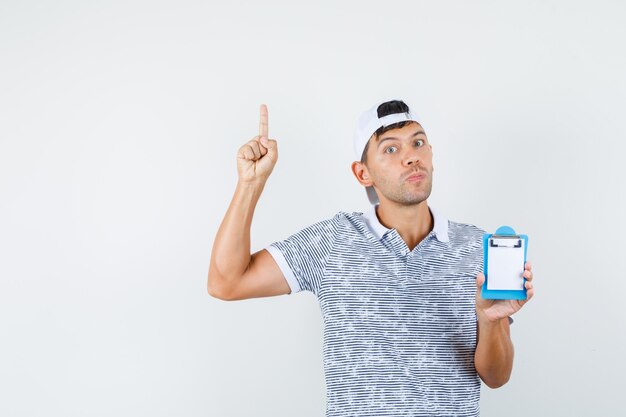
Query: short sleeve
[{"x": 302, "y": 257}]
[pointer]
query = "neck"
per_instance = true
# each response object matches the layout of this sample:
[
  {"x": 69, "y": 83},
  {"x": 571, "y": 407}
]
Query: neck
[{"x": 413, "y": 222}]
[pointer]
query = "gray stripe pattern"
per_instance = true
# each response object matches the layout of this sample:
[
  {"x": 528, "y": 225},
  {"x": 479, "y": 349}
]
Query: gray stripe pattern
[{"x": 399, "y": 325}]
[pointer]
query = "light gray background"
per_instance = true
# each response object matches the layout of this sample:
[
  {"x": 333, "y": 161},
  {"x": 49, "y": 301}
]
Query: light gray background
[{"x": 119, "y": 126}]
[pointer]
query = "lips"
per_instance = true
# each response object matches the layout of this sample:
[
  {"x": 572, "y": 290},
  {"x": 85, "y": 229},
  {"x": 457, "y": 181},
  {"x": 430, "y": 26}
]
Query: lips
[{"x": 414, "y": 176}]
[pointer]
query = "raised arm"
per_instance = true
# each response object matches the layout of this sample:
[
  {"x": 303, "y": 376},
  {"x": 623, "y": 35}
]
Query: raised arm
[{"x": 234, "y": 273}]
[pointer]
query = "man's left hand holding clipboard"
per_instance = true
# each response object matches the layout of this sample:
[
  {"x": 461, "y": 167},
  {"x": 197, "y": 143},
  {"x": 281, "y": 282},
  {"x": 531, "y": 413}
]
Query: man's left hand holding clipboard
[{"x": 493, "y": 358}]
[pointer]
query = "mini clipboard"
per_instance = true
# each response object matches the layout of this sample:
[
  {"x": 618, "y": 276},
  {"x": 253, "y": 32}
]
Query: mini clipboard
[{"x": 504, "y": 260}]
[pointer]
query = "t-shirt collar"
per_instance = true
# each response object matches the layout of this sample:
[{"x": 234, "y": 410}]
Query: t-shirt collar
[{"x": 440, "y": 226}]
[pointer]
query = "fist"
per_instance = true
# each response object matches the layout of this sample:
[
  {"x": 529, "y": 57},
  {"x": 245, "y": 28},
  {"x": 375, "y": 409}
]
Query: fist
[{"x": 257, "y": 157}]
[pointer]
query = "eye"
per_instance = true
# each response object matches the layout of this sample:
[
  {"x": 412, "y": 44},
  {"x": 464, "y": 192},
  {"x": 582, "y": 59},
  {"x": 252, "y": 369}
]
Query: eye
[
  {"x": 390, "y": 147},
  {"x": 420, "y": 140}
]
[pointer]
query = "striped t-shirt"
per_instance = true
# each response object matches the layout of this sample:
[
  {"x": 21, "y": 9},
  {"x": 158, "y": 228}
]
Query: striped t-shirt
[{"x": 399, "y": 325}]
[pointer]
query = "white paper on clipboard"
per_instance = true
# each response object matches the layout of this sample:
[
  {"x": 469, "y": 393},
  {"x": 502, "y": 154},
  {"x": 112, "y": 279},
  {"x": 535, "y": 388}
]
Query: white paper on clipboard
[{"x": 505, "y": 266}]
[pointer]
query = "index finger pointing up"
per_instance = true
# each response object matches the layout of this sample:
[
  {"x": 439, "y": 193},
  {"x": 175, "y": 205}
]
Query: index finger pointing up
[{"x": 263, "y": 129}]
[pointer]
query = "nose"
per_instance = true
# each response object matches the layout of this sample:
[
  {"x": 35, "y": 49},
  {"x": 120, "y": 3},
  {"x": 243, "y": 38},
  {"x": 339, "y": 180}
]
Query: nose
[{"x": 411, "y": 157}]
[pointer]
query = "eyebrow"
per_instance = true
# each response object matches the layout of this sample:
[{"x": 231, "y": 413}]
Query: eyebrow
[{"x": 392, "y": 137}]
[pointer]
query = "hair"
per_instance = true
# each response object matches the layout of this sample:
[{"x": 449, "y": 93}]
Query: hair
[{"x": 385, "y": 109}]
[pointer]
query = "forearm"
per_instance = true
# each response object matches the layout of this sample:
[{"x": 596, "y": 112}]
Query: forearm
[
  {"x": 230, "y": 255},
  {"x": 493, "y": 358}
]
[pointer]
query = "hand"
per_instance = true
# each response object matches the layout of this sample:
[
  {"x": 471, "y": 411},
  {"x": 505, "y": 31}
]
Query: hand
[
  {"x": 256, "y": 158},
  {"x": 493, "y": 310}
]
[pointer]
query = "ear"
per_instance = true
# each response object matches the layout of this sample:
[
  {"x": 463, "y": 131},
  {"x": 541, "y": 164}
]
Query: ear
[{"x": 361, "y": 173}]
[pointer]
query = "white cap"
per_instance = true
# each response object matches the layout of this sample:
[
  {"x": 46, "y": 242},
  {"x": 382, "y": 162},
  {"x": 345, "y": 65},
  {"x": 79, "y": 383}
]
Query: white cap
[{"x": 368, "y": 123}]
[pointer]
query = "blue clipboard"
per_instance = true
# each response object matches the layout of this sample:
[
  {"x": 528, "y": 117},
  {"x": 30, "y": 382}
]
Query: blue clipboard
[{"x": 506, "y": 251}]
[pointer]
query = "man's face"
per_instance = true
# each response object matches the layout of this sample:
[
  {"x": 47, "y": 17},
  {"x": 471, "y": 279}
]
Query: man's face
[{"x": 394, "y": 157}]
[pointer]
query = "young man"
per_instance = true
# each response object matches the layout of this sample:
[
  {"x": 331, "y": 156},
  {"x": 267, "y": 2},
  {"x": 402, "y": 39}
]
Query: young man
[{"x": 406, "y": 331}]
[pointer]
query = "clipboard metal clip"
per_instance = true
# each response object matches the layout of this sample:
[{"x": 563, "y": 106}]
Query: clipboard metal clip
[{"x": 505, "y": 241}]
